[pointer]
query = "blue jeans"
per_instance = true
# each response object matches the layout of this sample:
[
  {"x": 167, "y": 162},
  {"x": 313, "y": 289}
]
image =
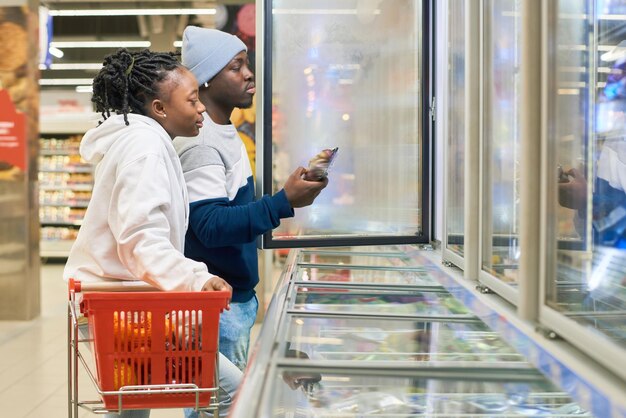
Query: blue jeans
[{"x": 235, "y": 326}]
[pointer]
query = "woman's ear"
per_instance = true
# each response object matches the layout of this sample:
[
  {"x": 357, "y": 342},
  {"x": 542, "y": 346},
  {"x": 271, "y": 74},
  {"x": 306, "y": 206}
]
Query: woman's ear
[{"x": 157, "y": 110}]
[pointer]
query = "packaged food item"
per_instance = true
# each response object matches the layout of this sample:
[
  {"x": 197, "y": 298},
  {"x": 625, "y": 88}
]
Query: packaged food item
[{"x": 320, "y": 164}]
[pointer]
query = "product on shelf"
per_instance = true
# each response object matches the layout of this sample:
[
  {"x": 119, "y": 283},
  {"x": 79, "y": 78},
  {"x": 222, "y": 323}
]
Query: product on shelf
[
  {"x": 61, "y": 215},
  {"x": 64, "y": 198},
  {"x": 56, "y": 233}
]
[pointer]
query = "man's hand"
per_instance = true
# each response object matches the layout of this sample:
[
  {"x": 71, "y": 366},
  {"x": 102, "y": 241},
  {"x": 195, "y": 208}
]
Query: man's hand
[
  {"x": 217, "y": 283},
  {"x": 573, "y": 194},
  {"x": 300, "y": 192}
]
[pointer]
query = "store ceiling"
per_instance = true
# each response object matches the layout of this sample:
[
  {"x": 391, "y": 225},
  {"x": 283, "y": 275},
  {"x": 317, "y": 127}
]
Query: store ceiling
[{"x": 160, "y": 31}]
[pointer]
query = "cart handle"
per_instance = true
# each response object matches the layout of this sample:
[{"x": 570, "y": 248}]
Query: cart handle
[{"x": 76, "y": 286}]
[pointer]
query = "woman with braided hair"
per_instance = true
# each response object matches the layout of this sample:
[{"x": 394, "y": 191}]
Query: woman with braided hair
[{"x": 134, "y": 227}]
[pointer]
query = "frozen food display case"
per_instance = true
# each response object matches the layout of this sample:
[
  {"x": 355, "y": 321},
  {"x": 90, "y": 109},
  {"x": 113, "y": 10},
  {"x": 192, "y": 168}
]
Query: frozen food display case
[
  {"x": 351, "y": 325},
  {"x": 356, "y": 350},
  {"x": 398, "y": 393}
]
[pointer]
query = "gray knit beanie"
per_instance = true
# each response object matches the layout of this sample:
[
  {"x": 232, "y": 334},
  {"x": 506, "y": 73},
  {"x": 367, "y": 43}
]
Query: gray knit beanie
[{"x": 207, "y": 51}]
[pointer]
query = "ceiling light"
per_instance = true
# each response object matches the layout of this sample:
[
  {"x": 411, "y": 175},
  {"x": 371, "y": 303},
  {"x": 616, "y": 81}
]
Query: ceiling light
[
  {"x": 64, "y": 81},
  {"x": 55, "y": 52},
  {"x": 178, "y": 44},
  {"x": 101, "y": 44},
  {"x": 321, "y": 12},
  {"x": 84, "y": 89},
  {"x": 133, "y": 12},
  {"x": 73, "y": 66}
]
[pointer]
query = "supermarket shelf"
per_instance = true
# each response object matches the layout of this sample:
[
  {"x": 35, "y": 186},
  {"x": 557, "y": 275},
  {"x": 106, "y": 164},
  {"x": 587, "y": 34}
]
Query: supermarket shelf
[
  {"x": 44, "y": 152},
  {"x": 69, "y": 124},
  {"x": 65, "y": 204},
  {"x": 59, "y": 223},
  {"x": 65, "y": 183},
  {"x": 70, "y": 170},
  {"x": 57, "y": 248}
]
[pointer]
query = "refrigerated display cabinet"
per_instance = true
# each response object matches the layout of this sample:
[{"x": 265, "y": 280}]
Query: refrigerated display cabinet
[
  {"x": 356, "y": 74},
  {"x": 358, "y": 354},
  {"x": 352, "y": 393},
  {"x": 584, "y": 292}
]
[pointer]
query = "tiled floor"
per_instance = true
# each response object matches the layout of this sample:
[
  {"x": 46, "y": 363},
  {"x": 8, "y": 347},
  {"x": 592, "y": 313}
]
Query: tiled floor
[{"x": 33, "y": 359}]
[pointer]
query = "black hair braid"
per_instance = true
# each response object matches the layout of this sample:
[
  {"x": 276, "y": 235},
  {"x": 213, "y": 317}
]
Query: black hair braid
[{"x": 130, "y": 80}]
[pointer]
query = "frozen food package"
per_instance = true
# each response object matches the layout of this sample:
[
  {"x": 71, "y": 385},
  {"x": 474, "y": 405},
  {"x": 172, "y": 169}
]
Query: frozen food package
[{"x": 320, "y": 164}]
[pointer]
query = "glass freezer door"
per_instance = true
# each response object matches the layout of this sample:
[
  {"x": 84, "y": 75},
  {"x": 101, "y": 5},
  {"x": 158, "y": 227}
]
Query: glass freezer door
[
  {"x": 585, "y": 294},
  {"x": 346, "y": 74},
  {"x": 500, "y": 206}
]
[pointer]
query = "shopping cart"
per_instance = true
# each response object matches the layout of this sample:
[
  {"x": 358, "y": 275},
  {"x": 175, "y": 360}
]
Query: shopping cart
[{"x": 152, "y": 349}]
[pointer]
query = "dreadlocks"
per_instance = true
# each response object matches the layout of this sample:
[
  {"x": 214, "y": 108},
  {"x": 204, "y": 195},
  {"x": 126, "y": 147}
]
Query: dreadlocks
[{"x": 129, "y": 80}]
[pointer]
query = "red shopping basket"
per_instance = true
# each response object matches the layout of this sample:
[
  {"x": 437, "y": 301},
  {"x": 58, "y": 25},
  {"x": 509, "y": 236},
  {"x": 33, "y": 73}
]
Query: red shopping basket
[{"x": 154, "y": 338}]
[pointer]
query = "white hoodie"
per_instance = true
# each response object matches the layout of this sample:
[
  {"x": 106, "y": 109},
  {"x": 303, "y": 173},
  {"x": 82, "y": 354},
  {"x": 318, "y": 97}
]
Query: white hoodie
[{"x": 135, "y": 225}]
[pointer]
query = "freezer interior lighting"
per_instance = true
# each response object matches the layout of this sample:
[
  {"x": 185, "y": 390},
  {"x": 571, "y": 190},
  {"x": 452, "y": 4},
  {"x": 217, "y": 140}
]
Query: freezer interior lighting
[
  {"x": 100, "y": 44},
  {"x": 133, "y": 12},
  {"x": 55, "y": 52}
]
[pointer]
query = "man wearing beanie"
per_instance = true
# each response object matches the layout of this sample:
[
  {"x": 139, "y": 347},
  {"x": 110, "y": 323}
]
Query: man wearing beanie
[{"x": 225, "y": 220}]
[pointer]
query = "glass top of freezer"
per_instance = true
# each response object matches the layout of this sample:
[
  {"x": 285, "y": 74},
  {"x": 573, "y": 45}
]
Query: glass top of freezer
[
  {"x": 389, "y": 339},
  {"x": 379, "y": 302},
  {"x": 354, "y": 258},
  {"x": 419, "y": 276},
  {"x": 327, "y": 393},
  {"x": 402, "y": 255}
]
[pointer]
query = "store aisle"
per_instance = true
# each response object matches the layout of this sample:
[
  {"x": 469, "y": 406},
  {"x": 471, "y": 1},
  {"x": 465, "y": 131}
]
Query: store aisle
[
  {"x": 33, "y": 359},
  {"x": 33, "y": 371}
]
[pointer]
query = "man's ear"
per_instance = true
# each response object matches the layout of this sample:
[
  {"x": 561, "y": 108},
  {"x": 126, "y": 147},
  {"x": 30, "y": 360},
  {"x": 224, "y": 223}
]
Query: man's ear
[{"x": 157, "y": 109}]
